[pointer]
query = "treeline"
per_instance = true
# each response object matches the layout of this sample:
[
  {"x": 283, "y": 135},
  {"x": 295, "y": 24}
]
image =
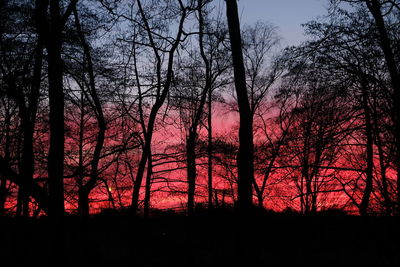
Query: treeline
[{"x": 146, "y": 104}]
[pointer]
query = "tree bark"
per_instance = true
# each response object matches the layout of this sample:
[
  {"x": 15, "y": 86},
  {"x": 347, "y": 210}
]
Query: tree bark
[
  {"x": 148, "y": 186},
  {"x": 382, "y": 166},
  {"x": 191, "y": 171},
  {"x": 80, "y": 177},
  {"x": 369, "y": 150},
  {"x": 56, "y": 115},
  {"x": 374, "y": 7},
  {"x": 245, "y": 156},
  {"x": 28, "y": 118},
  {"x": 210, "y": 152}
]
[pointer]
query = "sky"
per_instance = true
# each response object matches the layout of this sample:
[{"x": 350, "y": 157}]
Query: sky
[{"x": 287, "y": 15}]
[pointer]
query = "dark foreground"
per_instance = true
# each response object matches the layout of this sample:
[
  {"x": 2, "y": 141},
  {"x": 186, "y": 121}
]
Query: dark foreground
[{"x": 208, "y": 240}]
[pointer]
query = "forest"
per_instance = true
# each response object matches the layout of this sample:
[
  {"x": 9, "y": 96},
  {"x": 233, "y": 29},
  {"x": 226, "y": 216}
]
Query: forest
[{"x": 174, "y": 109}]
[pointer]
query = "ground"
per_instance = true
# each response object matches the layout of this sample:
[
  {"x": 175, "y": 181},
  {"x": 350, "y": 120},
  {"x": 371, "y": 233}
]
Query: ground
[{"x": 203, "y": 240}]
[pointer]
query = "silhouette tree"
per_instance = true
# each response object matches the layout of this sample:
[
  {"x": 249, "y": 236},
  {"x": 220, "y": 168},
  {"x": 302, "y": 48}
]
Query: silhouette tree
[
  {"x": 22, "y": 86},
  {"x": 245, "y": 156},
  {"x": 355, "y": 67},
  {"x": 384, "y": 15},
  {"x": 259, "y": 41},
  {"x": 163, "y": 85},
  {"x": 88, "y": 187},
  {"x": 50, "y": 25},
  {"x": 206, "y": 66}
]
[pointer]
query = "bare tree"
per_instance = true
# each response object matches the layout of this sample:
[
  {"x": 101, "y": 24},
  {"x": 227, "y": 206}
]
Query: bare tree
[
  {"x": 50, "y": 25},
  {"x": 245, "y": 157},
  {"x": 88, "y": 187},
  {"x": 163, "y": 85},
  {"x": 263, "y": 69}
]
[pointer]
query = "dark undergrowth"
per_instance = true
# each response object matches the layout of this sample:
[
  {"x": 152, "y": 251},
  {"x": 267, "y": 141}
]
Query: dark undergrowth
[{"x": 219, "y": 238}]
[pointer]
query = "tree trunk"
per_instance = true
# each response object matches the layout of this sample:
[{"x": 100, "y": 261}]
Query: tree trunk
[
  {"x": 27, "y": 115},
  {"x": 369, "y": 150},
  {"x": 26, "y": 162},
  {"x": 83, "y": 202},
  {"x": 192, "y": 138},
  {"x": 305, "y": 171},
  {"x": 148, "y": 186},
  {"x": 3, "y": 181},
  {"x": 50, "y": 32},
  {"x": 28, "y": 118},
  {"x": 260, "y": 200},
  {"x": 81, "y": 209},
  {"x": 374, "y": 7},
  {"x": 191, "y": 171},
  {"x": 209, "y": 152},
  {"x": 384, "y": 188},
  {"x": 55, "y": 164},
  {"x": 142, "y": 165},
  {"x": 56, "y": 115},
  {"x": 315, "y": 170},
  {"x": 245, "y": 156}
]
